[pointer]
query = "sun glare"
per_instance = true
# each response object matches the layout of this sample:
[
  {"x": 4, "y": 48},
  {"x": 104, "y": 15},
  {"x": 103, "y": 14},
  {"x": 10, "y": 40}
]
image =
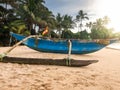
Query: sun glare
[{"x": 110, "y": 8}]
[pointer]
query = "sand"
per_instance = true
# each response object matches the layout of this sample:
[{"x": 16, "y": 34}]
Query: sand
[{"x": 104, "y": 75}]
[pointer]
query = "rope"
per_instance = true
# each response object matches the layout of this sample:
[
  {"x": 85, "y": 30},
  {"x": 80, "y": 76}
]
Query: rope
[
  {"x": 2, "y": 56},
  {"x": 10, "y": 41},
  {"x": 68, "y": 60}
]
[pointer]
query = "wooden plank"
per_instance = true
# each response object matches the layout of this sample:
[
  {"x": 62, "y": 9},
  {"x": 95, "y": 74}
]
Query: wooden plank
[{"x": 42, "y": 61}]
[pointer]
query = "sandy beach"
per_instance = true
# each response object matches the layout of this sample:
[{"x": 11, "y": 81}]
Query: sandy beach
[{"x": 104, "y": 75}]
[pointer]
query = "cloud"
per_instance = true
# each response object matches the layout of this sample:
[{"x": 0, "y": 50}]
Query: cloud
[
  {"x": 70, "y": 7},
  {"x": 94, "y": 8}
]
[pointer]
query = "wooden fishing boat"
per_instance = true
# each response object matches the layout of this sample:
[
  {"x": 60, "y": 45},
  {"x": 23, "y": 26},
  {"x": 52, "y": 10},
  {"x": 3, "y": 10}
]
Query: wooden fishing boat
[{"x": 61, "y": 46}]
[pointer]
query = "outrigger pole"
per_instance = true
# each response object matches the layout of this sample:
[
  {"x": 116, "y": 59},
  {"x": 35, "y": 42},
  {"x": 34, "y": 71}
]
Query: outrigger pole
[
  {"x": 17, "y": 44},
  {"x": 68, "y": 60}
]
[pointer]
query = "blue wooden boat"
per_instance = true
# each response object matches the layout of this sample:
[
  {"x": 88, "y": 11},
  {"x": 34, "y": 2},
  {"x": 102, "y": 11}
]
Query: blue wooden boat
[{"x": 61, "y": 46}]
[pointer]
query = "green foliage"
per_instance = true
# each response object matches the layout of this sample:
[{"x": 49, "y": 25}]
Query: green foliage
[
  {"x": 84, "y": 35},
  {"x": 26, "y": 13},
  {"x": 33, "y": 12},
  {"x": 53, "y": 35},
  {"x": 103, "y": 33},
  {"x": 64, "y": 22},
  {"x": 77, "y": 35},
  {"x": 116, "y": 35},
  {"x": 17, "y": 26},
  {"x": 67, "y": 34},
  {"x": 67, "y": 22},
  {"x": 99, "y": 29},
  {"x": 80, "y": 17}
]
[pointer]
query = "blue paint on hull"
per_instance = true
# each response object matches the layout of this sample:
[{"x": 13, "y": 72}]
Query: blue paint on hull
[{"x": 44, "y": 45}]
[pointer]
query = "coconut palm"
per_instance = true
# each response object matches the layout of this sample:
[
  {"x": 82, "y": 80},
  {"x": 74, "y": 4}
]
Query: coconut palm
[
  {"x": 59, "y": 20},
  {"x": 80, "y": 17},
  {"x": 9, "y": 3},
  {"x": 64, "y": 22},
  {"x": 30, "y": 11},
  {"x": 89, "y": 25},
  {"x": 67, "y": 22}
]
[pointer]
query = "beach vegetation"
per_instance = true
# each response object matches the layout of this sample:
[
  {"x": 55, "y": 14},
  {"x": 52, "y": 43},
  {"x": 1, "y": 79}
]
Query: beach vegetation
[
  {"x": 79, "y": 19},
  {"x": 63, "y": 23},
  {"x": 22, "y": 16},
  {"x": 99, "y": 29}
]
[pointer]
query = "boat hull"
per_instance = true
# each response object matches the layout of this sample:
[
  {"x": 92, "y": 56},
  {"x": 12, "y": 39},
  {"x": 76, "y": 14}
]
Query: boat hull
[{"x": 78, "y": 47}]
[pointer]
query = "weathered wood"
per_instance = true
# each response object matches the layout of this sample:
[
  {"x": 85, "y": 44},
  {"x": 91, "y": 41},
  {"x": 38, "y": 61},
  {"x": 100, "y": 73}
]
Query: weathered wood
[
  {"x": 17, "y": 44},
  {"x": 43, "y": 61}
]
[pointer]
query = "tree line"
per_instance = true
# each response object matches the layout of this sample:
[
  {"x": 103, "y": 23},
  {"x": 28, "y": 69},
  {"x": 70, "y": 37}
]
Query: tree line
[{"x": 22, "y": 16}]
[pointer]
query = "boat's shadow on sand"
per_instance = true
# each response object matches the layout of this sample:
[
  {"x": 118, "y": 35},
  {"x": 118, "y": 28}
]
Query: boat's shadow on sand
[{"x": 42, "y": 61}]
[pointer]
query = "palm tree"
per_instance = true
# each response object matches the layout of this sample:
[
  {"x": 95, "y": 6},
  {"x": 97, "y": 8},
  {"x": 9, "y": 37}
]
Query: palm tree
[
  {"x": 10, "y": 3},
  {"x": 30, "y": 11},
  {"x": 99, "y": 29},
  {"x": 64, "y": 22},
  {"x": 80, "y": 17},
  {"x": 106, "y": 20},
  {"x": 89, "y": 25},
  {"x": 59, "y": 20},
  {"x": 99, "y": 24},
  {"x": 6, "y": 15},
  {"x": 50, "y": 19},
  {"x": 67, "y": 22},
  {"x": 5, "y": 2}
]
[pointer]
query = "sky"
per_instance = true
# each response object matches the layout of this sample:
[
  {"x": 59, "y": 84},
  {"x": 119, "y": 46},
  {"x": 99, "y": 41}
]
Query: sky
[{"x": 94, "y": 8}]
